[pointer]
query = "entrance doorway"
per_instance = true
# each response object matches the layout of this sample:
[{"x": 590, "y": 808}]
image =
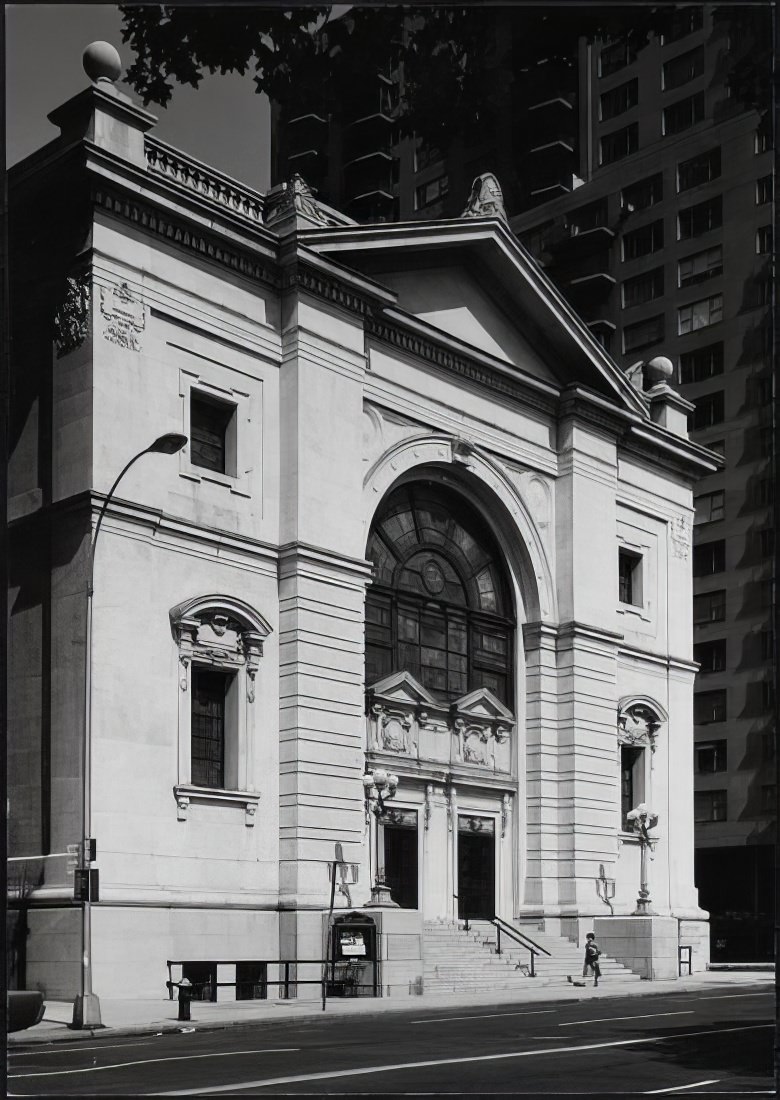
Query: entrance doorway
[
  {"x": 476, "y": 867},
  {"x": 400, "y": 848}
]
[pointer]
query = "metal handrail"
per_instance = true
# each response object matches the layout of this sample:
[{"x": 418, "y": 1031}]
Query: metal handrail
[
  {"x": 286, "y": 984},
  {"x": 530, "y": 945}
]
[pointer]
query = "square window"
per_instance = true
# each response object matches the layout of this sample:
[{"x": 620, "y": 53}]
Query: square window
[
  {"x": 710, "y": 410},
  {"x": 764, "y": 237},
  {"x": 709, "y": 706},
  {"x": 711, "y": 656},
  {"x": 764, "y": 190},
  {"x": 701, "y": 363},
  {"x": 643, "y": 333},
  {"x": 709, "y": 558},
  {"x": 615, "y": 57},
  {"x": 683, "y": 114},
  {"x": 642, "y": 194},
  {"x": 693, "y": 221},
  {"x": 711, "y": 756},
  {"x": 683, "y": 68},
  {"x": 643, "y": 241},
  {"x": 212, "y": 433},
  {"x": 709, "y": 507},
  {"x": 630, "y": 577},
  {"x": 619, "y": 144},
  {"x": 643, "y": 288},
  {"x": 700, "y": 266},
  {"x": 709, "y": 607},
  {"x": 698, "y": 170},
  {"x": 710, "y": 806},
  {"x": 619, "y": 99},
  {"x": 701, "y": 314}
]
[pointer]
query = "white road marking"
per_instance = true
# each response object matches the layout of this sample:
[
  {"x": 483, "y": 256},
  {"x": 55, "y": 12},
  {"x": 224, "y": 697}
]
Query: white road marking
[
  {"x": 679, "y": 1088},
  {"x": 74, "y": 1049},
  {"x": 485, "y": 1016},
  {"x": 213, "y": 1090},
  {"x": 613, "y": 1019},
  {"x": 148, "y": 1061}
]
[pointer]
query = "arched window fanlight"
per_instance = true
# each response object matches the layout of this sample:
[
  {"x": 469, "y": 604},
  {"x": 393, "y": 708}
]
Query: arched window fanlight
[{"x": 439, "y": 606}]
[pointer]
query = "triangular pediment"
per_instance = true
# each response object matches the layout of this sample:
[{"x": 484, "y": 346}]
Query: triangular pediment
[
  {"x": 482, "y": 703},
  {"x": 401, "y": 687},
  {"x": 472, "y": 282}
]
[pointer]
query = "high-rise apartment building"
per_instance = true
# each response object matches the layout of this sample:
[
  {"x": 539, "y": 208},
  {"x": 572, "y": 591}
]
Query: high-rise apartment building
[{"x": 645, "y": 190}]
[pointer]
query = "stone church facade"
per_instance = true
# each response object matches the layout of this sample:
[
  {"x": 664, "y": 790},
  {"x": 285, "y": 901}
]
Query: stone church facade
[{"x": 423, "y": 526}]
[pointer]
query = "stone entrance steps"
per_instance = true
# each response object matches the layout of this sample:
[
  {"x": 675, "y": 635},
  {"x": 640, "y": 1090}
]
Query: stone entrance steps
[{"x": 457, "y": 961}]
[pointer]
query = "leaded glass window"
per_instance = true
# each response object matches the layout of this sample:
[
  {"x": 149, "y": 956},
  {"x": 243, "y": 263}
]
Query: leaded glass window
[{"x": 439, "y": 606}]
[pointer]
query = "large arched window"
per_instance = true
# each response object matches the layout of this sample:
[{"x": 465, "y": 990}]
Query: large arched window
[{"x": 439, "y": 606}]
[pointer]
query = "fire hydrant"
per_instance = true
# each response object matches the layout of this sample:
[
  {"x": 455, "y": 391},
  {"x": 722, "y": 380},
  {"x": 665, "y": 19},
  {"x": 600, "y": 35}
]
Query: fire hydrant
[{"x": 185, "y": 996}]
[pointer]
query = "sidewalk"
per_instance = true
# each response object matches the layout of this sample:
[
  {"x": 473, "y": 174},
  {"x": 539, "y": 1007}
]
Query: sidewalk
[{"x": 159, "y": 1015}]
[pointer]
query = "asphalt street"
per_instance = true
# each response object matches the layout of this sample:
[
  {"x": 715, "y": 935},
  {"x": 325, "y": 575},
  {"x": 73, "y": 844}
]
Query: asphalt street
[{"x": 716, "y": 1041}]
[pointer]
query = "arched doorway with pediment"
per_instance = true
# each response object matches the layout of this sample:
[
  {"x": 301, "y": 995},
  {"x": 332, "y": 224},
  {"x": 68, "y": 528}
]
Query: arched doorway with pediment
[{"x": 442, "y": 700}]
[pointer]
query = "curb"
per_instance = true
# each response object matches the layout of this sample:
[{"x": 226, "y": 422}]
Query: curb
[{"x": 65, "y": 1034}]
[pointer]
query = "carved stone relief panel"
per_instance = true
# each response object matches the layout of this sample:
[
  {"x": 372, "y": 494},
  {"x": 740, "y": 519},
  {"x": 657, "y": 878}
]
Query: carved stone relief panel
[{"x": 123, "y": 315}]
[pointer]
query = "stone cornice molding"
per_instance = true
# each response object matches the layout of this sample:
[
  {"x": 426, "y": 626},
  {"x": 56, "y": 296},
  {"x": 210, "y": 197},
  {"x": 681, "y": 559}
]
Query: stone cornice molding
[
  {"x": 667, "y": 661},
  {"x": 421, "y": 341},
  {"x": 296, "y": 556},
  {"x": 572, "y": 630},
  {"x": 659, "y": 445}
]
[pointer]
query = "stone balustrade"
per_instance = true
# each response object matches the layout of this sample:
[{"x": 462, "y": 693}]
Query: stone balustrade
[{"x": 206, "y": 182}]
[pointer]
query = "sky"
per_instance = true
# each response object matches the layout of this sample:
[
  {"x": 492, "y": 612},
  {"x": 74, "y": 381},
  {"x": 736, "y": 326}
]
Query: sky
[{"x": 224, "y": 122}]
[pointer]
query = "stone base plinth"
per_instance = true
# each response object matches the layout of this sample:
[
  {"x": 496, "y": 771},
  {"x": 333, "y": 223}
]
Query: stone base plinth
[{"x": 646, "y": 945}]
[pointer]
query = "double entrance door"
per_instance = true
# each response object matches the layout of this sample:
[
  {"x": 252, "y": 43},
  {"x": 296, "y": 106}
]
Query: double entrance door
[{"x": 476, "y": 856}]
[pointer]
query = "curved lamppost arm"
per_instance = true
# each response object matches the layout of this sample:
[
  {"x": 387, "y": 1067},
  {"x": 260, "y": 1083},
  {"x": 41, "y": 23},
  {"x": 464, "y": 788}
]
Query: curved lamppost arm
[{"x": 86, "y": 1007}]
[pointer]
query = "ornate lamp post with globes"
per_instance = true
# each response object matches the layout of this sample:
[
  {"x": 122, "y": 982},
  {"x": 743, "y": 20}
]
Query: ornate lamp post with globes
[
  {"x": 642, "y": 819},
  {"x": 379, "y": 787},
  {"x": 86, "y": 1007}
]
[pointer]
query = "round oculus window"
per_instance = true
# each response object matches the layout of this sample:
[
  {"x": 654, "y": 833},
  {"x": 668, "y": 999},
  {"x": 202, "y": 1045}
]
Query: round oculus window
[{"x": 433, "y": 578}]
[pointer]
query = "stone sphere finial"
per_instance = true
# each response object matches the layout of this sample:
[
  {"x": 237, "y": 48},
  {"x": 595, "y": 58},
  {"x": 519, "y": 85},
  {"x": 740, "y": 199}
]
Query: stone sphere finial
[
  {"x": 102, "y": 63},
  {"x": 660, "y": 369}
]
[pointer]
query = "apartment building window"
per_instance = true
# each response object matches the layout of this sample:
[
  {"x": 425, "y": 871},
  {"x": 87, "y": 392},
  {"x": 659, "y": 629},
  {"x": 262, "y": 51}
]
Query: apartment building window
[
  {"x": 766, "y": 542},
  {"x": 619, "y": 144},
  {"x": 762, "y": 141},
  {"x": 630, "y": 577},
  {"x": 766, "y": 440},
  {"x": 701, "y": 363},
  {"x": 537, "y": 240},
  {"x": 764, "y": 190},
  {"x": 683, "y": 68},
  {"x": 429, "y": 193},
  {"x": 768, "y": 798},
  {"x": 683, "y": 114},
  {"x": 761, "y": 294},
  {"x": 699, "y": 314},
  {"x": 619, "y": 99},
  {"x": 709, "y": 607},
  {"x": 709, "y": 558},
  {"x": 765, "y": 491},
  {"x": 709, "y": 507},
  {"x": 709, "y": 410},
  {"x": 711, "y": 757},
  {"x": 590, "y": 216},
  {"x": 683, "y": 22},
  {"x": 642, "y": 194},
  {"x": 700, "y": 266},
  {"x": 767, "y": 694},
  {"x": 768, "y": 746},
  {"x": 710, "y": 806},
  {"x": 767, "y": 645},
  {"x": 709, "y": 706},
  {"x": 700, "y": 169},
  {"x": 643, "y": 288},
  {"x": 615, "y": 57},
  {"x": 701, "y": 218},
  {"x": 711, "y": 656},
  {"x": 212, "y": 433},
  {"x": 643, "y": 241},
  {"x": 643, "y": 333},
  {"x": 764, "y": 240}
]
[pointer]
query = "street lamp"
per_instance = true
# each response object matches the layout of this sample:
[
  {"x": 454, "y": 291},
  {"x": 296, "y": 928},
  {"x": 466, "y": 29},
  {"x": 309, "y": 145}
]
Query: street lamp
[
  {"x": 86, "y": 1006},
  {"x": 642, "y": 819},
  {"x": 379, "y": 787}
]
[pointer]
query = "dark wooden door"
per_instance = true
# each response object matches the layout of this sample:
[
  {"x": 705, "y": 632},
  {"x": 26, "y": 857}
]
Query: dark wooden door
[{"x": 476, "y": 876}]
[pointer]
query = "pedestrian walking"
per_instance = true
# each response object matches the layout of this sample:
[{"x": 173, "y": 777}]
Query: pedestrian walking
[{"x": 592, "y": 952}]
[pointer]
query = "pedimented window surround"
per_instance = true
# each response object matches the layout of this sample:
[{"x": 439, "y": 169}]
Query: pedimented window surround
[
  {"x": 222, "y": 633},
  {"x": 473, "y": 734}
]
